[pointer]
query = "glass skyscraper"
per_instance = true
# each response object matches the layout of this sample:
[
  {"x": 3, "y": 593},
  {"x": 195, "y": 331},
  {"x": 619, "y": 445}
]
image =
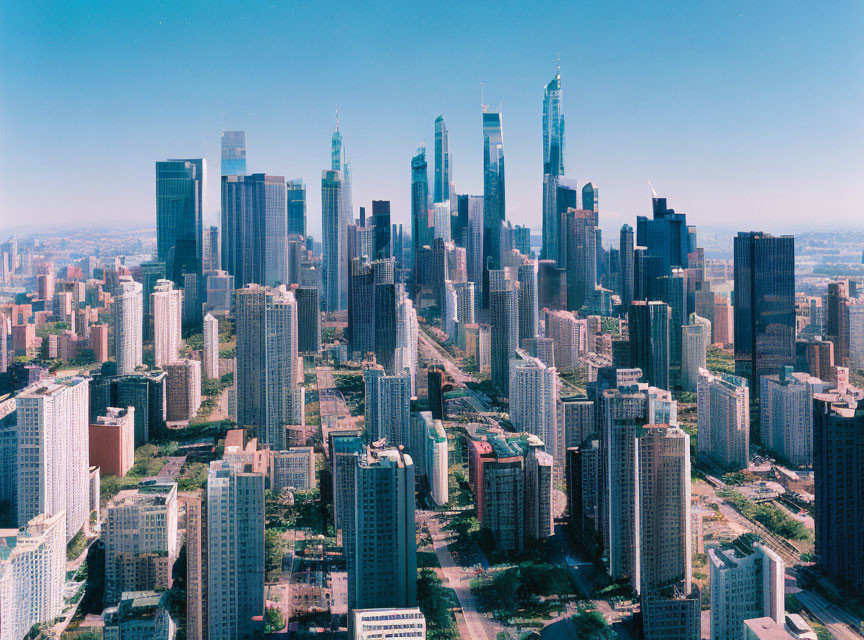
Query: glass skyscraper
[
  {"x": 764, "y": 305},
  {"x": 420, "y": 228},
  {"x": 333, "y": 246},
  {"x": 493, "y": 194},
  {"x": 442, "y": 162},
  {"x": 553, "y": 163},
  {"x": 179, "y": 206},
  {"x": 345, "y": 211},
  {"x": 233, "y": 153},
  {"x": 296, "y": 208}
]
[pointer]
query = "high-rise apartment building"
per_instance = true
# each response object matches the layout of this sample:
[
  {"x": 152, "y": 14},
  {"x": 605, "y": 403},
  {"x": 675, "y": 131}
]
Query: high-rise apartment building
[
  {"x": 268, "y": 373},
  {"x": 345, "y": 447},
  {"x": 53, "y": 452},
  {"x": 166, "y": 305},
  {"x": 388, "y": 405},
  {"x": 140, "y": 536},
  {"x": 32, "y": 575},
  {"x": 128, "y": 316},
  {"x": 569, "y": 336},
  {"x": 786, "y": 420},
  {"x": 695, "y": 339},
  {"x": 233, "y": 153},
  {"x": 579, "y": 257},
  {"x": 179, "y": 212},
  {"x": 529, "y": 317},
  {"x": 144, "y": 391},
  {"x": 235, "y": 550},
  {"x": 182, "y": 390},
  {"x": 649, "y": 341},
  {"x": 553, "y": 164},
  {"x": 534, "y": 400},
  {"x": 382, "y": 560},
  {"x": 254, "y": 229},
  {"x": 428, "y": 447},
  {"x": 747, "y": 581},
  {"x": 764, "y": 305},
  {"x": 112, "y": 441},
  {"x": 723, "y": 406},
  {"x": 211, "y": 347}
]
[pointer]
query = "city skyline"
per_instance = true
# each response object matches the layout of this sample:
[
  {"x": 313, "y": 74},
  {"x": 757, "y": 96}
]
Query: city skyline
[{"x": 692, "y": 113}]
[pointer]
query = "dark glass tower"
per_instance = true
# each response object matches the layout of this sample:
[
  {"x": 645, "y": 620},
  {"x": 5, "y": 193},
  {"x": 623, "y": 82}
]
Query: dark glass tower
[
  {"x": 553, "y": 165},
  {"x": 672, "y": 290},
  {"x": 420, "y": 230},
  {"x": 442, "y": 162},
  {"x": 296, "y": 208},
  {"x": 626, "y": 272},
  {"x": 764, "y": 305},
  {"x": 381, "y": 222},
  {"x": 493, "y": 194},
  {"x": 179, "y": 208},
  {"x": 665, "y": 238},
  {"x": 649, "y": 341}
]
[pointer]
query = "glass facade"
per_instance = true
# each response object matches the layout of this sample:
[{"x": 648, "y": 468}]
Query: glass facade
[
  {"x": 553, "y": 164},
  {"x": 179, "y": 206},
  {"x": 296, "y": 208},
  {"x": 442, "y": 162},
  {"x": 494, "y": 210},
  {"x": 233, "y": 153},
  {"x": 420, "y": 227}
]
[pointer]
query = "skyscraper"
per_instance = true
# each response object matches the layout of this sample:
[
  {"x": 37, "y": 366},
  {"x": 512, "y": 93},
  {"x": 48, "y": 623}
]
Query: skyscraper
[
  {"x": 553, "y": 164},
  {"x": 786, "y": 420},
  {"x": 695, "y": 338},
  {"x": 533, "y": 402},
  {"x": 383, "y": 558},
  {"x": 579, "y": 233},
  {"x": 764, "y": 305},
  {"x": 211, "y": 347},
  {"x": 166, "y": 304},
  {"x": 590, "y": 193},
  {"x": 233, "y": 153},
  {"x": 475, "y": 248},
  {"x": 626, "y": 274},
  {"x": 664, "y": 237},
  {"x": 296, "y": 190},
  {"x": 179, "y": 210},
  {"x": 334, "y": 240},
  {"x": 529, "y": 319},
  {"x": 308, "y": 319},
  {"x": 235, "y": 550},
  {"x": 723, "y": 405},
  {"x": 254, "y": 229},
  {"x": 838, "y": 466},
  {"x": 269, "y": 391},
  {"x": 649, "y": 341},
  {"x": 388, "y": 405},
  {"x": 127, "y": 311},
  {"x": 672, "y": 289},
  {"x": 54, "y": 452},
  {"x": 381, "y": 242},
  {"x": 420, "y": 228},
  {"x": 442, "y": 162},
  {"x": 494, "y": 209},
  {"x": 504, "y": 320}
]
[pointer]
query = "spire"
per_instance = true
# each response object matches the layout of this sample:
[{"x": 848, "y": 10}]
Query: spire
[
  {"x": 337, "y": 117},
  {"x": 653, "y": 193},
  {"x": 483, "y": 105}
]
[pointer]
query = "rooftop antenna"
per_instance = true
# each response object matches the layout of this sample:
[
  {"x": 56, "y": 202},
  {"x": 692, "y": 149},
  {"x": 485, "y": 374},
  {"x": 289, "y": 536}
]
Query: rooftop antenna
[
  {"x": 653, "y": 193},
  {"x": 337, "y": 117},
  {"x": 559, "y": 64},
  {"x": 482, "y": 104}
]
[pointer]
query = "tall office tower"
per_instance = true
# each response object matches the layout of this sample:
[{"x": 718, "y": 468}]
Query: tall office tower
[
  {"x": 442, "y": 162},
  {"x": 398, "y": 247},
  {"x": 212, "y": 253},
  {"x": 552, "y": 285},
  {"x": 626, "y": 276},
  {"x": 465, "y": 302},
  {"x": 838, "y": 461},
  {"x": 529, "y": 317},
  {"x": 407, "y": 329},
  {"x": 570, "y": 337},
  {"x": 664, "y": 237},
  {"x": 786, "y": 421},
  {"x": 345, "y": 448},
  {"x": 268, "y": 373},
  {"x": 695, "y": 338},
  {"x": 179, "y": 208},
  {"x": 382, "y": 561},
  {"x": 747, "y": 581},
  {"x": 553, "y": 163},
  {"x": 672, "y": 613},
  {"x": 235, "y": 550},
  {"x": 233, "y": 153},
  {"x": 494, "y": 209},
  {"x": 435, "y": 385},
  {"x": 128, "y": 311},
  {"x": 441, "y": 221},
  {"x": 140, "y": 536},
  {"x": 166, "y": 304},
  {"x": 579, "y": 235},
  {"x": 590, "y": 195},
  {"x": 475, "y": 247},
  {"x": 649, "y": 341},
  {"x": 211, "y": 347},
  {"x": 522, "y": 240},
  {"x": 381, "y": 243},
  {"x": 308, "y": 320},
  {"x": 296, "y": 201},
  {"x": 361, "y": 308},
  {"x": 182, "y": 390},
  {"x": 53, "y": 452},
  {"x": 582, "y": 475},
  {"x": 254, "y": 229},
  {"x": 503, "y": 318},
  {"x": 723, "y": 406},
  {"x": 420, "y": 228},
  {"x": 672, "y": 289},
  {"x": 533, "y": 402},
  {"x": 334, "y": 239},
  {"x": 835, "y": 302},
  {"x": 429, "y": 452},
  {"x": 384, "y": 299},
  {"x": 764, "y": 305},
  {"x": 32, "y": 575},
  {"x": 665, "y": 538},
  {"x": 388, "y": 405}
]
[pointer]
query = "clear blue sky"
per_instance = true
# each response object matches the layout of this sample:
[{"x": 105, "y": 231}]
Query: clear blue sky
[{"x": 747, "y": 114}]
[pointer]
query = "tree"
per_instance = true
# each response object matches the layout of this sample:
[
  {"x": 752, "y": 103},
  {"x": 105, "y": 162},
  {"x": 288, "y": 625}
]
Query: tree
[{"x": 274, "y": 620}]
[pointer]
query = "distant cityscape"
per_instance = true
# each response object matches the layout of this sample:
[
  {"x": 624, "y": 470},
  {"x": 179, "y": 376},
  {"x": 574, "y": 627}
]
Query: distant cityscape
[{"x": 454, "y": 428}]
